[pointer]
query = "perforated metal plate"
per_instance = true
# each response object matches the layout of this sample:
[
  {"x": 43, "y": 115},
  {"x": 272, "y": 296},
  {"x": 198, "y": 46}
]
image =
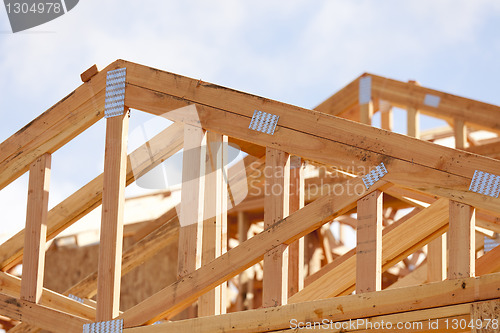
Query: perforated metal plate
[
  {"x": 365, "y": 89},
  {"x": 112, "y": 326},
  {"x": 76, "y": 298},
  {"x": 432, "y": 100},
  {"x": 263, "y": 122},
  {"x": 485, "y": 183},
  {"x": 115, "y": 93},
  {"x": 373, "y": 176}
]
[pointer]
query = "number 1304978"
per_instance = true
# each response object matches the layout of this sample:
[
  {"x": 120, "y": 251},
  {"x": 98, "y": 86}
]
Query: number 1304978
[{"x": 35, "y": 8}]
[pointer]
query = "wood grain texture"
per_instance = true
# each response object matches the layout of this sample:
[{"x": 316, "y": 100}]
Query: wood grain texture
[
  {"x": 36, "y": 229},
  {"x": 113, "y": 205},
  {"x": 369, "y": 243},
  {"x": 276, "y": 207},
  {"x": 462, "y": 241}
]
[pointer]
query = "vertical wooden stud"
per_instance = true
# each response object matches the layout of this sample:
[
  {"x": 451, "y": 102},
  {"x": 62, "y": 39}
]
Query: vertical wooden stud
[
  {"x": 224, "y": 202},
  {"x": 436, "y": 259},
  {"x": 386, "y": 117},
  {"x": 296, "y": 249},
  {"x": 243, "y": 278},
  {"x": 210, "y": 303},
  {"x": 460, "y": 134},
  {"x": 413, "y": 122},
  {"x": 113, "y": 201},
  {"x": 462, "y": 241},
  {"x": 36, "y": 229},
  {"x": 366, "y": 113},
  {"x": 369, "y": 243},
  {"x": 191, "y": 214},
  {"x": 276, "y": 204}
]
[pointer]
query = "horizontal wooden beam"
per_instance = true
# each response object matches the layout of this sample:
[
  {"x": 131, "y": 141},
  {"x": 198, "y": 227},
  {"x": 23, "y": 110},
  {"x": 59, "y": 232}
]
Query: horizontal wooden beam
[
  {"x": 385, "y": 302},
  {"x": 309, "y": 134},
  {"x": 186, "y": 290},
  {"x": 405, "y": 94},
  {"x": 40, "y": 316},
  {"x": 83, "y": 201}
]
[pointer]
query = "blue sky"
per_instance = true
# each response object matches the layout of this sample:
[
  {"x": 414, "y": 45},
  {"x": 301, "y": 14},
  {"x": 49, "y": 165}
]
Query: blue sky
[{"x": 299, "y": 52}]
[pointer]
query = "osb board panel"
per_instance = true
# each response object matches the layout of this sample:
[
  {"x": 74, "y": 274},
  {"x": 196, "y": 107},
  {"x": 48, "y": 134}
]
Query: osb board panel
[{"x": 65, "y": 266}]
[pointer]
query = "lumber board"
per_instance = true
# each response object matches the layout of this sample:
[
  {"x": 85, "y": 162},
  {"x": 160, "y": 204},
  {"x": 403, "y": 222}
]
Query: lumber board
[
  {"x": 488, "y": 149},
  {"x": 325, "y": 269},
  {"x": 55, "y": 127},
  {"x": 462, "y": 241},
  {"x": 11, "y": 286},
  {"x": 460, "y": 131},
  {"x": 191, "y": 214},
  {"x": 189, "y": 90},
  {"x": 405, "y": 94},
  {"x": 186, "y": 290},
  {"x": 134, "y": 256},
  {"x": 437, "y": 259},
  {"x": 413, "y": 123},
  {"x": 369, "y": 243},
  {"x": 385, "y": 302},
  {"x": 276, "y": 208},
  {"x": 36, "y": 229},
  {"x": 296, "y": 249},
  {"x": 41, "y": 316},
  {"x": 89, "y": 73},
  {"x": 210, "y": 303},
  {"x": 416, "y": 231},
  {"x": 342, "y": 101},
  {"x": 87, "y": 198},
  {"x": 113, "y": 206},
  {"x": 366, "y": 113},
  {"x": 333, "y": 141},
  {"x": 488, "y": 262}
]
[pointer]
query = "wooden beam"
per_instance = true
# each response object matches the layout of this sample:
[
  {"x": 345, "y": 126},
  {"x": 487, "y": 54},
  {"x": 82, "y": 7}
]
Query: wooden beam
[
  {"x": 243, "y": 279},
  {"x": 402, "y": 94},
  {"x": 276, "y": 207},
  {"x": 113, "y": 202},
  {"x": 11, "y": 286},
  {"x": 460, "y": 131},
  {"x": 342, "y": 101},
  {"x": 186, "y": 290},
  {"x": 413, "y": 122},
  {"x": 462, "y": 241},
  {"x": 436, "y": 259},
  {"x": 488, "y": 262},
  {"x": 385, "y": 302},
  {"x": 327, "y": 268},
  {"x": 410, "y": 167},
  {"x": 416, "y": 231},
  {"x": 191, "y": 214},
  {"x": 89, "y": 73},
  {"x": 296, "y": 249},
  {"x": 83, "y": 201},
  {"x": 41, "y": 316},
  {"x": 366, "y": 113},
  {"x": 386, "y": 116},
  {"x": 210, "y": 303},
  {"x": 54, "y": 128},
  {"x": 36, "y": 229},
  {"x": 369, "y": 243}
]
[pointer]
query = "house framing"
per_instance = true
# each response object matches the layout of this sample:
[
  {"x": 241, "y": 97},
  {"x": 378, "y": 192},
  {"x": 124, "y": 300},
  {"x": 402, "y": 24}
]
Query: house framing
[{"x": 453, "y": 191}]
